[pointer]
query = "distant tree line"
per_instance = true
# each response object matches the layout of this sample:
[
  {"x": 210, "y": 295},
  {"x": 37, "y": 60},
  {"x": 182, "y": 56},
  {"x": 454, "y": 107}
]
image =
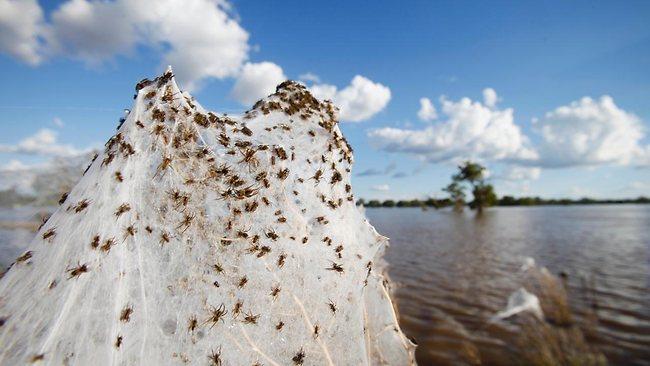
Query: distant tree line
[
  {"x": 503, "y": 201},
  {"x": 471, "y": 175}
]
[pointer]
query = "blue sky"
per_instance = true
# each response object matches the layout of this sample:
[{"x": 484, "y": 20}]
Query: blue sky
[{"x": 76, "y": 62}]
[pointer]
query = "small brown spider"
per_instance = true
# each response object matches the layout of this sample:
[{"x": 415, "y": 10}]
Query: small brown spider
[
  {"x": 251, "y": 206},
  {"x": 275, "y": 291},
  {"x": 281, "y": 259},
  {"x": 192, "y": 324},
  {"x": 81, "y": 205},
  {"x": 77, "y": 271},
  {"x": 283, "y": 174},
  {"x": 24, "y": 257},
  {"x": 251, "y": 318},
  {"x": 335, "y": 267},
  {"x": 272, "y": 235},
  {"x": 280, "y": 152},
  {"x": 122, "y": 209},
  {"x": 164, "y": 238},
  {"x": 130, "y": 231},
  {"x": 215, "y": 357},
  {"x": 49, "y": 234},
  {"x": 332, "y": 306},
  {"x": 317, "y": 175},
  {"x": 237, "y": 308},
  {"x": 38, "y": 357},
  {"x": 263, "y": 251},
  {"x": 216, "y": 314},
  {"x": 125, "y": 316},
  {"x": 299, "y": 358},
  {"x": 107, "y": 245},
  {"x": 186, "y": 223}
]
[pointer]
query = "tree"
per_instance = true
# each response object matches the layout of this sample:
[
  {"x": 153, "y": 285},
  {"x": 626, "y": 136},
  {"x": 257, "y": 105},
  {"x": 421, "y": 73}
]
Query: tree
[
  {"x": 484, "y": 196},
  {"x": 457, "y": 194},
  {"x": 473, "y": 174}
]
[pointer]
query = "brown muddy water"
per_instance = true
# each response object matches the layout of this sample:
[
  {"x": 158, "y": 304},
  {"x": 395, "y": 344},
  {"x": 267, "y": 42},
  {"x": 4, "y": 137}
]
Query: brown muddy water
[{"x": 452, "y": 273}]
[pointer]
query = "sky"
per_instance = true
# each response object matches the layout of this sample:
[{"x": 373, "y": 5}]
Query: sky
[{"x": 552, "y": 97}]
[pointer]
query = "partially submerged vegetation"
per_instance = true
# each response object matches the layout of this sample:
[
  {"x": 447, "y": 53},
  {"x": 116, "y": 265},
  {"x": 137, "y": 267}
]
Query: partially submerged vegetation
[{"x": 557, "y": 339}]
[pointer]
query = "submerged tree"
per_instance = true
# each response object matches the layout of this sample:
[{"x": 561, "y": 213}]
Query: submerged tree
[
  {"x": 456, "y": 194},
  {"x": 473, "y": 174}
]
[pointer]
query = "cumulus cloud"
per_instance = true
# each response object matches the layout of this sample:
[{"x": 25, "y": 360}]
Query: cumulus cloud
[
  {"x": 44, "y": 142},
  {"x": 490, "y": 97},
  {"x": 309, "y": 77},
  {"x": 14, "y": 166},
  {"x": 21, "y": 29},
  {"x": 590, "y": 132},
  {"x": 199, "y": 37},
  {"x": 58, "y": 122},
  {"x": 358, "y": 101},
  {"x": 381, "y": 188},
  {"x": 256, "y": 81},
  {"x": 427, "y": 110},
  {"x": 519, "y": 173},
  {"x": 586, "y": 132},
  {"x": 471, "y": 130}
]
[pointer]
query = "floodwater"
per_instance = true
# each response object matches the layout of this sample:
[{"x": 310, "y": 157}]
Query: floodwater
[{"x": 453, "y": 272}]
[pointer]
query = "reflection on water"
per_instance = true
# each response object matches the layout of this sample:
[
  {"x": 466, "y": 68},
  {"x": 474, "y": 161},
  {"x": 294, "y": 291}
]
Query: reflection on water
[{"x": 453, "y": 272}]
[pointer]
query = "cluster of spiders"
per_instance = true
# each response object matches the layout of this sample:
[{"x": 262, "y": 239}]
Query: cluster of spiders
[{"x": 245, "y": 174}]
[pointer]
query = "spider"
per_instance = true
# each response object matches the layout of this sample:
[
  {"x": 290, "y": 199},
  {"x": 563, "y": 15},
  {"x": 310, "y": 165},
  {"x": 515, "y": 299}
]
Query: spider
[
  {"x": 215, "y": 357},
  {"x": 332, "y": 306},
  {"x": 81, "y": 205},
  {"x": 299, "y": 358},
  {"x": 336, "y": 267},
  {"x": 251, "y": 318},
  {"x": 122, "y": 209},
  {"x": 216, "y": 314},
  {"x": 281, "y": 259},
  {"x": 125, "y": 316},
  {"x": 77, "y": 271}
]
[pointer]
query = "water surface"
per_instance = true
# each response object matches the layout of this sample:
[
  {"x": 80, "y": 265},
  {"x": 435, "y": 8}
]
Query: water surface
[{"x": 453, "y": 272}]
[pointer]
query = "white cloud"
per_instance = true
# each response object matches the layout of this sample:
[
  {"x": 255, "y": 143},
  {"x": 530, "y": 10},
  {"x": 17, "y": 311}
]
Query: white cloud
[
  {"x": 309, "y": 77},
  {"x": 13, "y": 166},
  {"x": 199, "y": 38},
  {"x": 639, "y": 186},
  {"x": 520, "y": 173},
  {"x": 58, "y": 122},
  {"x": 590, "y": 132},
  {"x": 46, "y": 179},
  {"x": 490, "y": 97},
  {"x": 427, "y": 110},
  {"x": 471, "y": 130},
  {"x": 256, "y": 81},
  {"x": 21, "y": 29},
  {"x": 381, "y": 188},
  {"x": 44, "y": 142},
  {"x": 357, "y": 102}
]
